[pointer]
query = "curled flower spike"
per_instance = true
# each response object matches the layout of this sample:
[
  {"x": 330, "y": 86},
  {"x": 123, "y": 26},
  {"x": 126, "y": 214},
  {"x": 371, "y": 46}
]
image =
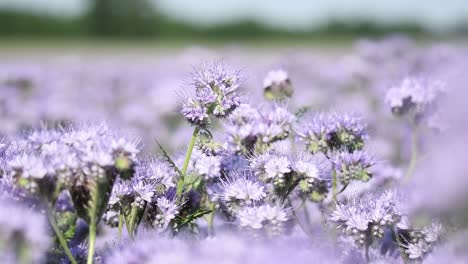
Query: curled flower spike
[
  {"x": 353, "y": 166},
  {"x": 328, "y": 132},
  {"x": 254, "y": 130}
]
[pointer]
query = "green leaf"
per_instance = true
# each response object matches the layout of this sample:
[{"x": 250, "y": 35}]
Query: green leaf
[
  {"x": 188, "y": 219},
  {"x": 168, "y": 158},
  {"x": 301, "y": 111}
]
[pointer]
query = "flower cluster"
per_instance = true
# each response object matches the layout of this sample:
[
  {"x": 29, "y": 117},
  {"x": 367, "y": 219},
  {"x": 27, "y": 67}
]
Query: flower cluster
[
  {"x": 263, "y": 170},
  {"x": 353, "y": 166},
  {"x": 414, "y": 96},
  {"x": 328, "y": 132},
  {"x": 277, "y": 85},
  {"x": 365, "y": 219},
  {"x": 417, "y": 243},
  {"x": 286, "y": 171},
  {"x": 254, "y": 130},
  {"x": 215, "y": 94},
  {"x": 146, "y": 197}
]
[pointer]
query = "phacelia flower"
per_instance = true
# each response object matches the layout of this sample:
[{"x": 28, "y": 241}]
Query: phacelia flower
[
  {"x": 415, "y": 95},
  {"x": 241, "y": 190},
  {"x": 364, "y": 219},
  {"x": 277, "y": 85},
  {"x": 353, "y": 166},
  {"x": 328, "y": 132}
]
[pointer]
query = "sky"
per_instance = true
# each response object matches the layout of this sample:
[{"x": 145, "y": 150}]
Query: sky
[{"x": 289, "y": 14}]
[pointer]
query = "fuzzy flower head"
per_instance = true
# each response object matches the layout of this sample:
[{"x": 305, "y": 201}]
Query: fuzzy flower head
[
  {"x": 241, "y": 189},
  {"x": 414, "y": 95},
  {"x": 328, "y": 132},
  {"x": 314, "y": 175},
  {"x": 277, "y": 85},
  {"x": 353, "y": 166},
  {"x": 272, "y": 168},
  {"x": 417, "y": 243},
  {"x": 215, "y": 89},
  {"x": 364, "y": 219},
  {"x": 208, "y": 166},
  {"x": 254, "y": 130},
  {"x": 195, "y": 113},
  {"x": 166, "y": 211},
  {"x": 269, "y": 218}
]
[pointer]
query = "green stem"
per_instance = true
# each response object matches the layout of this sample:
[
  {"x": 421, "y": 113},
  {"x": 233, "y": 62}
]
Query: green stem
[
  {"x": 58, "y": 233},
  {"x": 334, "y": 186},
  {"x": 131, "y": 223},
  {"x": 211, "y": 219},
  {"x": 367, "y": 252},
  {"x": 180, "y": 184},
  {"x": 414, "y": 153},
  {"x": 121, "y": 220},
  {"x": 93, "y": 224}
]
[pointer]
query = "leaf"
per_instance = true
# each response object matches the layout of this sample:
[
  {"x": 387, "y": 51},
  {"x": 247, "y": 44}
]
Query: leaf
[
  {"x": 301, "y": 111},
  {"x": 188, "y": 219},
  {"x": 168, "y": 158}
]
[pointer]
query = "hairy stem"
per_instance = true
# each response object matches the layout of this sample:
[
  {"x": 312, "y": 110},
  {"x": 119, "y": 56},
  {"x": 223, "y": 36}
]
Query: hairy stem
[
  {"x": 62, "y": 241},
  {"x": 334, "y": 186},
  {"x": 121, "y": 220},
  {"x": 93, "y": 224},
  {"x": 131, "y": 223},
  {"x": 180, "y": 184},
  {"x": 414, "y": 153},
  {"x": 367, "y": 252},
  {"x": 211, "y": 218}
]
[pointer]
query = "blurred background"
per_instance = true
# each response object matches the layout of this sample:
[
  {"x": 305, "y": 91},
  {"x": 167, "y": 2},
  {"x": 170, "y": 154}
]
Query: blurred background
[
  {"x": 176, "y": 23},
  {"x": 129, "y": 61}
]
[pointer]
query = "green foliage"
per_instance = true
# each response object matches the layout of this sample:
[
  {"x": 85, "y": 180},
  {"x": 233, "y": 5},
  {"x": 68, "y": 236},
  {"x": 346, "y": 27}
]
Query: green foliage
[{"x": 189, "y": 219}]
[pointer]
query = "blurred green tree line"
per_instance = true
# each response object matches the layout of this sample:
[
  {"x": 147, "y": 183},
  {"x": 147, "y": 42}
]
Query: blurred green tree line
[{"x": 139, "y": 18}]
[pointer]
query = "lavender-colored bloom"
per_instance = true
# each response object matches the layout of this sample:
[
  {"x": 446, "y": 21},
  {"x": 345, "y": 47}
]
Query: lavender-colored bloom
[
  {"x": 277, "y": 85},
  {"x": 216, "y": 88},
  {"x": 195, "y": 113},
  {"x": 414, "y": 94},
  {"x": 365, "y": 219},
  {"x": 241, "y": 190},
  {"x": 269, "y": 218},
  {"x": 353, "y": 166},
  {"x": 251, "y": 129},
  {"x": 208, "y": 166},
  {"x": 314, "y": 174},
  {"x": 167, "y": 210},
  {"x": 327, "y": 132},
  {"x": 144, "y": 191},
  {"x": 271, "y": 168}
]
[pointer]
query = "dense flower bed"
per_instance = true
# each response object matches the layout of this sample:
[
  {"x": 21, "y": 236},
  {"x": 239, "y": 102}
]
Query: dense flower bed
[{"x": 352, "y": 158}]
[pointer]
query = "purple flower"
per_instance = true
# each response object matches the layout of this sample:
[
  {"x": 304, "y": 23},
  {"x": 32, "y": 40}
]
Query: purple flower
[
  {"x": 277, "y": 85},
  {"x": 364, "y": 219},
  {"x": 327, "y": 132},
  {"x": 195, "y": 113},
  {"x": 241, "y": 189},
  {"x": 414, "y": 95},
  {"x": 353, "y": 166}
]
